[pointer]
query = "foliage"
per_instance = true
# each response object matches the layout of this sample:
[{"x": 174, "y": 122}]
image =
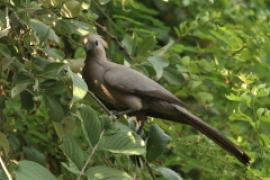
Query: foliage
[{"x": 214, "y": 55}]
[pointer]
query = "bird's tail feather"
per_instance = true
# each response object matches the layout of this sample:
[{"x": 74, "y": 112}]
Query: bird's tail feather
[{"x": 213, "y": 134}]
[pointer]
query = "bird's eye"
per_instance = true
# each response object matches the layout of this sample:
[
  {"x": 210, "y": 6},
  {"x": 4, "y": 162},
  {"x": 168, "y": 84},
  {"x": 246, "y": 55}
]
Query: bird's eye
[{"x": 96, "y": 43}]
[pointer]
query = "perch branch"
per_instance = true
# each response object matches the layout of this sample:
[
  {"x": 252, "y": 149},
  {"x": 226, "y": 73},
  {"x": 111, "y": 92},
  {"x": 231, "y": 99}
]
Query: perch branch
[{"x": 106, "y": 110}]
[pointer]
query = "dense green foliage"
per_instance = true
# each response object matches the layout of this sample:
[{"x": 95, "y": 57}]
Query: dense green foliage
[{"x": 213, "y": 54}]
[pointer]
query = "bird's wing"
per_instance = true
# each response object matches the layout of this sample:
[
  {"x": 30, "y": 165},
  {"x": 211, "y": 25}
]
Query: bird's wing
[{"x": 128, "y": 80}]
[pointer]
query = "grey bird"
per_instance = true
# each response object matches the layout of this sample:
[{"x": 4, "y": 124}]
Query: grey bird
[{"x": 125, "y": 90}]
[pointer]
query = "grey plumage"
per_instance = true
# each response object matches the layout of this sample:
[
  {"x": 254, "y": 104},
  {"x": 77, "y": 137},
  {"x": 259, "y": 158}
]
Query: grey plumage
[{"x": 123, "y": 88}]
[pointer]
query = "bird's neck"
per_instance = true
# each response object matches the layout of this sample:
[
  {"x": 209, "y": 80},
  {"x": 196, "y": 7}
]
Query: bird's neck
[{"x": 97, "y": 55}]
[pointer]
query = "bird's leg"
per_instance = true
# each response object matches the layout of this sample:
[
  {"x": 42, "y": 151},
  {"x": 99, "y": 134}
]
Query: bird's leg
[{"x": 141, "y": 118}]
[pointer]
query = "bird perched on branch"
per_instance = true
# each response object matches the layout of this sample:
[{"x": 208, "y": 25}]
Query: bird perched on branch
[{"x": 128, "y": 91}]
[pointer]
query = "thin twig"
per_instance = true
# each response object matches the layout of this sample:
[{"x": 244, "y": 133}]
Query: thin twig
[
  {"x": 100, "y": 103},
  {"x": 149, "y": 169},
  {"x": 5, "y": 169},
  {"x": 91, "y": 155},
  {"x": 7, "y": 19}
]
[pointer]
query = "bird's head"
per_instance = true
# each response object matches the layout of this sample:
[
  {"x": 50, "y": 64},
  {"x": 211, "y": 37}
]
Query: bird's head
[{"x": 94, "y": 42}]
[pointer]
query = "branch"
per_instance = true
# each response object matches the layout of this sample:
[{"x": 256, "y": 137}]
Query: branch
[
  {"x": 90, "y": 156},
  {"x": 149, "y": 168},
  {"x": 105, "y": 109},
  {"x": 7, "y": 19},
  {"x": 5, "y": 169}
]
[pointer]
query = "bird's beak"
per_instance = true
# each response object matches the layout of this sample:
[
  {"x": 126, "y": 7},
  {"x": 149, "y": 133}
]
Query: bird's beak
[{"x": 88, "y": 46}]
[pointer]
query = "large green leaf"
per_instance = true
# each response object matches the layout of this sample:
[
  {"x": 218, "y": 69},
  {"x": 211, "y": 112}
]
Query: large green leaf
[
  {"x": 55, "y": 109},
  {"x": 73, "y": 151},
  {"x": 103, "y": 172},
  {"x": 28, "y": 170},
  {"x": 157, "y": 142},
  {"x": 120, "y": 139},
  {"x": 52, "y": 70},
  {"x": 91, "y": 124},
  {"x": 44, "y": 31}
]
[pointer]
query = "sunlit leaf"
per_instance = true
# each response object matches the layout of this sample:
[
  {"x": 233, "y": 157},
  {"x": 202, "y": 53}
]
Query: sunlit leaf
[
  {"x": 103, "y": 172},
  {"x": 80, "y": 88},
  {"x": 120, "y": 139},
  {"x": 19, "y": 87},
  {"x": 71, "y": 9}
]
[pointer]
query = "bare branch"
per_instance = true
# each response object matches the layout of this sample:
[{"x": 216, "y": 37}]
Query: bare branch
[
  {"x": 4, "y": 167},
  {"x": 90, "y": 156}
]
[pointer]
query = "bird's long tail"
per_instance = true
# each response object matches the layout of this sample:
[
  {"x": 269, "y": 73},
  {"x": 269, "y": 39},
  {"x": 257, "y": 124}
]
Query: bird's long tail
[{"x": 179, "y": 114}]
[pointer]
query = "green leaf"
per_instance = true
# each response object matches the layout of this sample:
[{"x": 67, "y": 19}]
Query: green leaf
[
  {"x": 70, "y": 9},
  {"x": 28, "y": 170},
  {"x": 19, "y": 87},
  {"x": 103, "y": 172},
  {"x": 73, "y": 151},
  {"x": 56, "y": 54},
  {"x": 157, "y": 142},
  {"x": 159, "y": 64},
  {"x": 261, "y": 90},
  {"x": 172, "y": 78},
  {"x": 2, "y": 175},
  {"x": 44, "y": 31},
  {"x": 56, "y": 111},
  {"x": 129, "y": 44},
  {"x": 80, "y": 88},
  {"x": 91, "y": 123},
  {"x": 72, "y": 26},
  {"x": 205, "y": 97},
  {"x": 240, "y": 116},
  {"x": 146, "y": 45},
  {"x": 245, "y": 98},
  {"x": 4, "y": 143},
  {"x": 58, "y": 127},
  {"x": 52, "y": 70},
  {"x": 120, "y": 139},
  {"x": 169, "y": 174},
  {"x": 33, "y": 154},
  {"x": 27, "y": 100},
  {"x": 71, "y": 167}
]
